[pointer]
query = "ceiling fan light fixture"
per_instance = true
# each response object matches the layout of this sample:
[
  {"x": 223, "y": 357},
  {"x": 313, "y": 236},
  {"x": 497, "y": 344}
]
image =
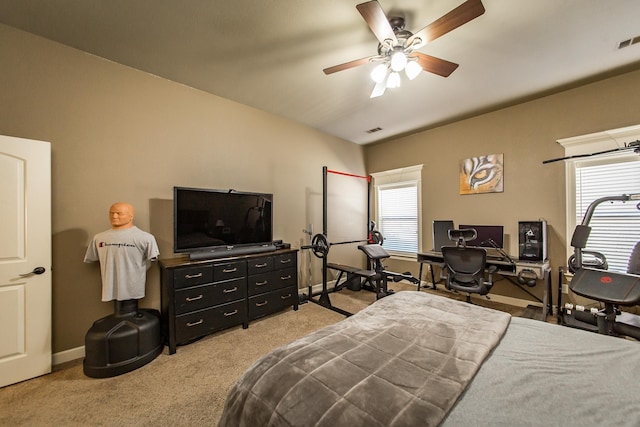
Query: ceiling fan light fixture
[
  {"x": 378, "y": 90},
  {"x": 397, "y": 46},
  {"x": 413, "y": 69},
  {"x": 398, "y": 59},
  {"x": 393, "y": 81},
  {"x": 379, "y": 73}
]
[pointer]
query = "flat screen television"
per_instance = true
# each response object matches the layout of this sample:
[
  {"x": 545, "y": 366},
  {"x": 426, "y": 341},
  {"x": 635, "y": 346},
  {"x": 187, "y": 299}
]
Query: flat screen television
[
  {"x": 221, "y": 222},
  {"x": 486, "y": 235}
]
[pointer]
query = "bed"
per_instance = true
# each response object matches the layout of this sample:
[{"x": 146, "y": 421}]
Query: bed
[{"x": 414, "y": 359}]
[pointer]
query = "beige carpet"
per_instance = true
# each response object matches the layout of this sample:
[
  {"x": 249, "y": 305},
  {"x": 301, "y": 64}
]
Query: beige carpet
[{"x": 187, "y": 388}]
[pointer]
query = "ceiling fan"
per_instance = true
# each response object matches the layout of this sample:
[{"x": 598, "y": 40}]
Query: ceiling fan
[{"x": 397, "y": 47}]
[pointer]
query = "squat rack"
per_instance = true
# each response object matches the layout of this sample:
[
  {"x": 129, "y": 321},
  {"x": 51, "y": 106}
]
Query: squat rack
[{"x": 324, "y": 299}]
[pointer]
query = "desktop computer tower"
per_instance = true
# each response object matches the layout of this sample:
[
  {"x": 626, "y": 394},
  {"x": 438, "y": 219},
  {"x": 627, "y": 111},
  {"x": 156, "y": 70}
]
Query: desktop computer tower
[{"x": 532, "y": 240}]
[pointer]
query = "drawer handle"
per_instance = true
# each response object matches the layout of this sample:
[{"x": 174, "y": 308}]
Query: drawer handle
[
  {"x": 262, "y": 283},
  {"x": 285, "y": 296},
  {"x": 261, "y": 304},
  {"x": 285, "y": 277},
  {"x": 190, "y": 324},
  {"x": 261, "y": 265},
  {"x": 192, "y": 276},
  {"x": 230, "y": 270},
  {"x": 231, "y": 314},
  {"x": 226, "y": 291},
  {"x": 189, "y": 299},
  {"x": 285, "y": 261}
]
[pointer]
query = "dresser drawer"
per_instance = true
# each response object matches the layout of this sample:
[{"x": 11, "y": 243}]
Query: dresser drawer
[
  {"x": 203, "y": 296},
  {"x": 261, "y": 283},
  {"x": 268, "y": 303},
  {"x": 286, "y": 278},
  {"x": 267, "y": 282},
  {"x": 199, "y": 323},
  {"x": 285, "y": 261},
  {"x": 229, "y": 270},
  {"x": 192, "y": 276},
  {"x": 259, "y": 265}
]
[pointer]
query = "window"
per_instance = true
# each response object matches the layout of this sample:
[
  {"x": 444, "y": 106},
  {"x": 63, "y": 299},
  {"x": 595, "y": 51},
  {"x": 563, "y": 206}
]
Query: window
[
  {"x": 397, "y": 194},
  {"x": 615, "y": 225}
]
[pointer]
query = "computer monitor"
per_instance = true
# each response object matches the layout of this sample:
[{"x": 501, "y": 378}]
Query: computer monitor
[
  {"x": 486, "y": 235},
  {"x": 441, "y": 234}
]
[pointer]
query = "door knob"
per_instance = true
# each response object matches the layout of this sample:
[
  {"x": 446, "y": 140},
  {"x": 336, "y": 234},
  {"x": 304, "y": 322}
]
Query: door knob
[{"x": 37, "y": 270}]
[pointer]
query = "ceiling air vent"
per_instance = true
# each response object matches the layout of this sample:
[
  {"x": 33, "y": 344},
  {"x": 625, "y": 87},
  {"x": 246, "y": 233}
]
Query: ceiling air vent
[
  {"x": 628, "y": 42},
  {"x": 374, "y": 130}
]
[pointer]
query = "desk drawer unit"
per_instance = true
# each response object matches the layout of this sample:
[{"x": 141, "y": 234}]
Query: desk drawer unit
[
  {"x": 267, "y": 282},
  {"x": 205, "y": 296},
  {"x": 191, "y": 276},
  {"x": 271, "y": 302},
  {"x": 229, "y": 270},
  {"x": 274, "y": 287},
  {"x": 198, "y": 323},
  {"x": 202, "y": 298}
]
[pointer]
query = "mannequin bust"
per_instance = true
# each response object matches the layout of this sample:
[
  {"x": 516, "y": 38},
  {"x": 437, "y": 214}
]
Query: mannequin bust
[
  {"x": 121, "y": 216},
  {"x": 125, "y": 253}
]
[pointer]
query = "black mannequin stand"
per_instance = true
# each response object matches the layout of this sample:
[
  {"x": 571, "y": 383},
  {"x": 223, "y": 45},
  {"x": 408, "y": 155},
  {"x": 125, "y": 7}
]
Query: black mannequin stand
[{"x": 123, "y": 341}]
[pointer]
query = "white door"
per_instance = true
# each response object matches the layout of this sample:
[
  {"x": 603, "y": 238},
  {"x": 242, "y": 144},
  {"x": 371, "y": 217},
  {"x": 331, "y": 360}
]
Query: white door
[{"x": 25, "y": 259}]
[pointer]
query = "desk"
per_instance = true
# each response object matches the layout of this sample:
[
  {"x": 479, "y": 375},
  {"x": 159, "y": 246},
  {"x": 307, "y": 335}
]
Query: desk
[{"x": 505, "y": 268}]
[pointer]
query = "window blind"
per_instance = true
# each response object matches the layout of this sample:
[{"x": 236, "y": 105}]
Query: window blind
[
  {"x": 397, "y": 209},
  {"x": 398, "y": 216},
  {"x": 615, "y": 226}
]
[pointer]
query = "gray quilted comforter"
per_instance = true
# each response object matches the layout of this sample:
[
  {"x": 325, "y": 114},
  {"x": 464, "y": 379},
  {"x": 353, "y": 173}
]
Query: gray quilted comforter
[{"x": 402, "y": 361}]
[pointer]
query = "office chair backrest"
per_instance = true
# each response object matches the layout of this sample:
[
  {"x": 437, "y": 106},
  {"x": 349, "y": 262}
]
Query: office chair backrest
[
  {"x": 464, "y": 261},
  {"x": 466, "y": 265},
  {"x": 462, "y": 236}
]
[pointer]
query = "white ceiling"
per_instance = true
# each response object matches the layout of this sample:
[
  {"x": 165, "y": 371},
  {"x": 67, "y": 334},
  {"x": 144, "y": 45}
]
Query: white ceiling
[{"x": 269, "y": 54}]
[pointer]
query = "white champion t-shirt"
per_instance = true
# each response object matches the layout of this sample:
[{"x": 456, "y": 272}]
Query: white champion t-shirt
[{"x": 124, "y": 255}]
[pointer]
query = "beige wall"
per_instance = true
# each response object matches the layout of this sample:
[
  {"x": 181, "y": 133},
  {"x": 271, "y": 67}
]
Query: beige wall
[
  {"x": 526, "y": 134},
  {"x": 118, "y": 134}
]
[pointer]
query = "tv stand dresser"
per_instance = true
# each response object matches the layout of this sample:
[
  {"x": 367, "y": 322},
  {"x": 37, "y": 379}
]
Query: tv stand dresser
[{"x": 206, "y": 296}]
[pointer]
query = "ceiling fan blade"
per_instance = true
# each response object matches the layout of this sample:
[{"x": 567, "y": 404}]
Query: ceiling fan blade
[
  {"x": 373, "y": 14},
  {"x": 462, "y": 14},
  {"x": 435, "y": 65},
  {"x": 349, "y": 64},
  {"x": 378, "y": 89}
]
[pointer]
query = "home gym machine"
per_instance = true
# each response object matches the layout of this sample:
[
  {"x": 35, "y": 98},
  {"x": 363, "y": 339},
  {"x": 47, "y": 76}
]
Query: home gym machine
[
  {"x": 375, "y": 278},
  {"x": 592, "y": 280}
]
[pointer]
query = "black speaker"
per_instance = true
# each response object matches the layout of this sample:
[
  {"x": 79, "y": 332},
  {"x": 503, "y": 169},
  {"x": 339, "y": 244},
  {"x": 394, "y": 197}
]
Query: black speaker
[{"x": 532, "y": 240}]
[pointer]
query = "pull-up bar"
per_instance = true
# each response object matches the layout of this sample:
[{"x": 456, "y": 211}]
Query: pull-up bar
[{"x": 368, "y": 177}]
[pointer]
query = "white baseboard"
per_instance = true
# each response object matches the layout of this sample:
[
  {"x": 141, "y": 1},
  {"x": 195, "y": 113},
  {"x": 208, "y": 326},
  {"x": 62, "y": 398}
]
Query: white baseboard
[{"x": 67, "y": 356}]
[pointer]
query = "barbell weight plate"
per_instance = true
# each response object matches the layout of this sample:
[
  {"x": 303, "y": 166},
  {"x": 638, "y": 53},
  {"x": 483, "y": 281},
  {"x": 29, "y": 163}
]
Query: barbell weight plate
[
  {"x": 320, "y": 246},
  {"x": 376, "y": 237}
]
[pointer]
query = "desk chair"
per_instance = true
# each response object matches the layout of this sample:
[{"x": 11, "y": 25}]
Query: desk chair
[{"x": 466, "y": 266}]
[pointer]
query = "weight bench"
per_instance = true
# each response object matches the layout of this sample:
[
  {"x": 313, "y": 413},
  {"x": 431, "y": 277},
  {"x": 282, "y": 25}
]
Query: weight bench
[
  {"x": 354, "y": 274},
  {"x": 376, "y": 253},
  {"x": 612, "y": 289}
]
